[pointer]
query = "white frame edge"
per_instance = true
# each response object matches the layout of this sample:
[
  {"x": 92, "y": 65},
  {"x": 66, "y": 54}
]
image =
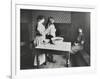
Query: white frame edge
[{"x": 15, "y": 68}]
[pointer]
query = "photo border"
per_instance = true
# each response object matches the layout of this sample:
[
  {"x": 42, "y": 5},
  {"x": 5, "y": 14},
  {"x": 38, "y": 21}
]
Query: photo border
[{"x": 17, "y": 73}]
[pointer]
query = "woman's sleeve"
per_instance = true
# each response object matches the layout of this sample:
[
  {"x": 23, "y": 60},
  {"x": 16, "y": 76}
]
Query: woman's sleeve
[
  {"x": 41, "y": 31},
  {"x": 54, "y": 29}
]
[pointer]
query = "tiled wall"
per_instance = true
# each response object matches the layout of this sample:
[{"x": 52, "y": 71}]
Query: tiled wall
[{"x": 59, "y": 16}]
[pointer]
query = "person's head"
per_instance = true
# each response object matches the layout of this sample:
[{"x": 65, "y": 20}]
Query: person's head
[
  {"x": 80, "y": 30},
  {"x": 40, "y": 19},
  {"x": 51, "y": 19}
]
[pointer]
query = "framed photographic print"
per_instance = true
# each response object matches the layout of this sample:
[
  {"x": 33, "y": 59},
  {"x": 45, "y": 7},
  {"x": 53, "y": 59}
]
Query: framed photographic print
[{"x": 52, "y": 40}]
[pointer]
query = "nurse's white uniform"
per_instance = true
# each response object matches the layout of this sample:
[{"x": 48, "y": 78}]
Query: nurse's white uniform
[{"x": 38, "y": 40}]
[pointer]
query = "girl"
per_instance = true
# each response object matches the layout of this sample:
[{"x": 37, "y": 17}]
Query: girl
[
  {"x": 51, "y": 30},
  {"x": 50, "y": 33}
]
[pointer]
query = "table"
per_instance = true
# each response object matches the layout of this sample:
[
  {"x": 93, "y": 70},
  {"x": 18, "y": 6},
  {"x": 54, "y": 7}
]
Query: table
[{"x": 63, "y": 48}]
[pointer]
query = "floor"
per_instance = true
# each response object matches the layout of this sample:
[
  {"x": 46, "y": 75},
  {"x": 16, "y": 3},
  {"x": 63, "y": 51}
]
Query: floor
[
  {"x": 60, "y": 62},
  {"x": 26, "y": 60}
]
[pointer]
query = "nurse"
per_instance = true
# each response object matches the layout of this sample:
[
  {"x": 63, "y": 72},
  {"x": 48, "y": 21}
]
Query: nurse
[{"x": 40, "y": 38}]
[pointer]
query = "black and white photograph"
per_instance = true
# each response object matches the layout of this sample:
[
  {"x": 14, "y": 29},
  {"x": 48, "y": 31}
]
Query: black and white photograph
[
  {"x": 50, "y": 39},
  {"x": 54, "y": 39}
]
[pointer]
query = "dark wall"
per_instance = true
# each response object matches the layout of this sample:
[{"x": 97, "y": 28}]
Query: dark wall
[
  {"x": 64, "y": 30},
  {"x": 26, "y": 25},
  {"x": 25, "y": 38}
]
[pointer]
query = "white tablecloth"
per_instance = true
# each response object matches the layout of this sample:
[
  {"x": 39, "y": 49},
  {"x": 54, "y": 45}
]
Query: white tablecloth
[{"x": 63, "y": 46}]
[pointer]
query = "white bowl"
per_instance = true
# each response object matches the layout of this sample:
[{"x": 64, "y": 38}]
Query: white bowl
[{"x": 57, "y": 40}]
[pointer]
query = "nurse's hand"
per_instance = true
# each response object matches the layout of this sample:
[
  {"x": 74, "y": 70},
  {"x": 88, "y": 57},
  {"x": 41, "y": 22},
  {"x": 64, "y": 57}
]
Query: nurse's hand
[{"x": 46, "y": 41}]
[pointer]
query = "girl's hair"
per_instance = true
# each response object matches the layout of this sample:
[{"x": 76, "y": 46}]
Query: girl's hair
[
  {"x": 49, "y": 21},
  {"x": 40, "y": 17}
]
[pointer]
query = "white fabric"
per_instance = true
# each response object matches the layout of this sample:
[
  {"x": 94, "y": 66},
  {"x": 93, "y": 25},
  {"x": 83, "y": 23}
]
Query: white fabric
[
  {"x": 41, "y": 28},
  {"x": 51, "y": 30},
  {"x": 38, "y": 40},
  {"x": 63, "y": 46},
  {"x": 41, "y": 59}
]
